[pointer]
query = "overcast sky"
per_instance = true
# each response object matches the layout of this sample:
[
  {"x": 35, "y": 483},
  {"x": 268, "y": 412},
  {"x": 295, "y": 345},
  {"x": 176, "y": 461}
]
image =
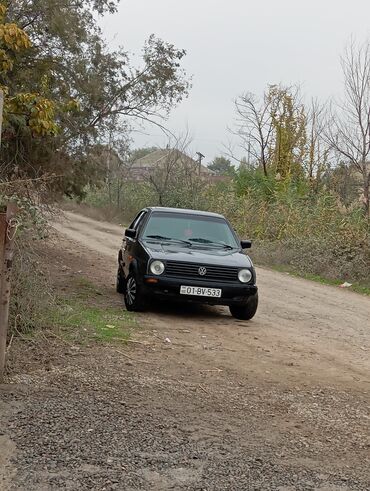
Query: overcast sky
[{"x": 235, "y": 46}]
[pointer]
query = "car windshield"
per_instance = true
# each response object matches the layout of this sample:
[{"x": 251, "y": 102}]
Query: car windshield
[{"x": 190, "y": 230}]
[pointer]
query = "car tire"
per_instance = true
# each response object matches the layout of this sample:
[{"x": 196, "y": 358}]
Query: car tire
[
  {"x": 121, "y": 282},
  {"x": 246, "y": 310},
  {"x": 133, "y": 295}
]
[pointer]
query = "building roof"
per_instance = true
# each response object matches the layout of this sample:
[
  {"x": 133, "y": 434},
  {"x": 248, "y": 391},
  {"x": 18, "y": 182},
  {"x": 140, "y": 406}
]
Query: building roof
[{"x": 159, "y": 156}]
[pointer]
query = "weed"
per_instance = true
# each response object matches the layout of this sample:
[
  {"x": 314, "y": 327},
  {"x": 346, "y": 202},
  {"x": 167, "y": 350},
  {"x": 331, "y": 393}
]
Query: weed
[{"x": 81, "y": 323}]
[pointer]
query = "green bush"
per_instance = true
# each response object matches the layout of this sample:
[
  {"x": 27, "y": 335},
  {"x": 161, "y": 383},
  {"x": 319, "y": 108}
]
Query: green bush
[{"x": 311, "y": 233}]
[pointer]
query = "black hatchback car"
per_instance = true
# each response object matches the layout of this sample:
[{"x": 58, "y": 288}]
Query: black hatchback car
[{"x": 186, "y": 255}]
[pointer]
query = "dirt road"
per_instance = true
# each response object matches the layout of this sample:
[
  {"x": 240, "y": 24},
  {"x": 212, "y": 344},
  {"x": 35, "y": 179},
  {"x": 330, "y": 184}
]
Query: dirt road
[
  {"x": 321, "y": 331},
  {"x": 277, "y": 403}
]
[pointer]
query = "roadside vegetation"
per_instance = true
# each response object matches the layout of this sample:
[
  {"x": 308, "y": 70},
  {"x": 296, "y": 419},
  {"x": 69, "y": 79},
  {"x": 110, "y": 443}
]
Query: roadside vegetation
[
  {"x": 80, "y": 317},
  {"x": 308, "y": 232}
]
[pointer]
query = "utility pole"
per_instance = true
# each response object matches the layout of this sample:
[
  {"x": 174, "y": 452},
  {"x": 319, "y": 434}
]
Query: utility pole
[
  {"x": 8, "y": 228},
  {"x": 200, "y": 158},
  {"x": 3, "y": 227},
  {"x": 1, "y": 112},
  {"x": 3, "y": 321}
]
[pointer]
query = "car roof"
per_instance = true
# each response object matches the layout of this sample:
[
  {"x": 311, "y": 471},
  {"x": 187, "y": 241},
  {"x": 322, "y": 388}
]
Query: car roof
[{"x": 184, "y": 211}]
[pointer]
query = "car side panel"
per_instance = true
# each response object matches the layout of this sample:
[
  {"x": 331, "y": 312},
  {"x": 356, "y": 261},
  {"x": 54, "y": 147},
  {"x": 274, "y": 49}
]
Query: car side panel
[{"x": 136, "y": 259}]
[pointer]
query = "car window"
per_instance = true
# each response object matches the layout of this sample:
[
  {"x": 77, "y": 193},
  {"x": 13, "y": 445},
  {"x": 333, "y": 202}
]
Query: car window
[{"x": 193, "y": 228}]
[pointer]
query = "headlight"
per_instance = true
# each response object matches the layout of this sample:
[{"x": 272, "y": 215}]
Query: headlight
[
  {"x": 245, "y": 275},
  {"x": 157, "y": 267}
]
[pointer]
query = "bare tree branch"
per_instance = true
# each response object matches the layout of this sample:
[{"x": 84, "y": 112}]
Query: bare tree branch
[{"x": 348, "y": 128}]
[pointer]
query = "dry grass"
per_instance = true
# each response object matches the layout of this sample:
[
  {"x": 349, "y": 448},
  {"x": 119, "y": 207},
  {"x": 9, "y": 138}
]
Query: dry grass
[{"x": 31, "y": 292}]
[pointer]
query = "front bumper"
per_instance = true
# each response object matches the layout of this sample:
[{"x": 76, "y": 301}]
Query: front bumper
[{"x": 232, "y": 293}]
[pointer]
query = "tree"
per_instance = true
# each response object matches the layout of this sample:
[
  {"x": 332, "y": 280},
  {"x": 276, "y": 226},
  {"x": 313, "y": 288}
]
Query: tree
[
  {"x": 348, "y": 129},
  {"x": 162, "y": 177},
  {"x": 90, "y": 86},
  {"x": 287, "y": 147},
  {"x": 342, "y": 181},
  {"x": 175, "y": 178},
  {"x": 33, "y": 113},
  {"x": 254, "y": 125},
  {"x": 221, "y": 166},
  {"x": 273, "y": 130},
  {"x": 318, "y": 152}
]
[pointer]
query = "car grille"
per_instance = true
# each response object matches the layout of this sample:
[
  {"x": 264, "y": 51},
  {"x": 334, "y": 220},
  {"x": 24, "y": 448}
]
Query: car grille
[{"x": 190, "y": 270}]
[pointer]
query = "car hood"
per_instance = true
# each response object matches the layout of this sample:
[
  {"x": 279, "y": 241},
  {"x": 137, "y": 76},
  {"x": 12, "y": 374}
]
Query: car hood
[{"x": 197, "y": 254}]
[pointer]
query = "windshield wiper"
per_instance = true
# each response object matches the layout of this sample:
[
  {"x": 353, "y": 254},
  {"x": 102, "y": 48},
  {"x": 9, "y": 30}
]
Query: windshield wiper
[
  {"x": 159, "y": 237},
  {"x": 200, "y": 240},
  {"x": 162, "y": 237}
]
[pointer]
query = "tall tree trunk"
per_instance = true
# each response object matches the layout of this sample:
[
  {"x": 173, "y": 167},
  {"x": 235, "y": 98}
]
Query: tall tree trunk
[
  {"x": 264, "y": 165},
  {"x": 366, "y": 192}
]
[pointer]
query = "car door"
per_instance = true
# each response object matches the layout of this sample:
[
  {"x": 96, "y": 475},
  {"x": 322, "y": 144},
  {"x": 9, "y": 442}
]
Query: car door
[{"x": 130, "y": 245}]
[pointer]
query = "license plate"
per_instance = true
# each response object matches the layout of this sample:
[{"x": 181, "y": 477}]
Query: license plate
[{"x": 200, "y": 291}]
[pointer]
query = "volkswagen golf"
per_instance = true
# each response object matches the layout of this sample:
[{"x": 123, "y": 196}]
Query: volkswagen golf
[{"x": 187, "y": 255}]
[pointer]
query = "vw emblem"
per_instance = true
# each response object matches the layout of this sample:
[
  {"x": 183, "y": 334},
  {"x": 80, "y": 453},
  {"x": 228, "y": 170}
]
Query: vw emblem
[{"x": 202, "y": 271}]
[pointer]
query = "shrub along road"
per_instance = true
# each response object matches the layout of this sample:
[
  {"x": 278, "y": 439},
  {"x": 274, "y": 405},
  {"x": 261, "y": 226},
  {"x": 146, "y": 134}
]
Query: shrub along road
[{"x": 198, "y": 401}]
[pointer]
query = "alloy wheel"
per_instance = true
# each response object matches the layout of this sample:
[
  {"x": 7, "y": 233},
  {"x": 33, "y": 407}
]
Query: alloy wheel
[{"x": 131, "y": 290}]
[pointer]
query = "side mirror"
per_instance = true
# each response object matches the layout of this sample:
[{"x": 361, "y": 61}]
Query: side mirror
[
  {"x": 130, "y": 233},
  {"x": 246, "y": 244}
]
